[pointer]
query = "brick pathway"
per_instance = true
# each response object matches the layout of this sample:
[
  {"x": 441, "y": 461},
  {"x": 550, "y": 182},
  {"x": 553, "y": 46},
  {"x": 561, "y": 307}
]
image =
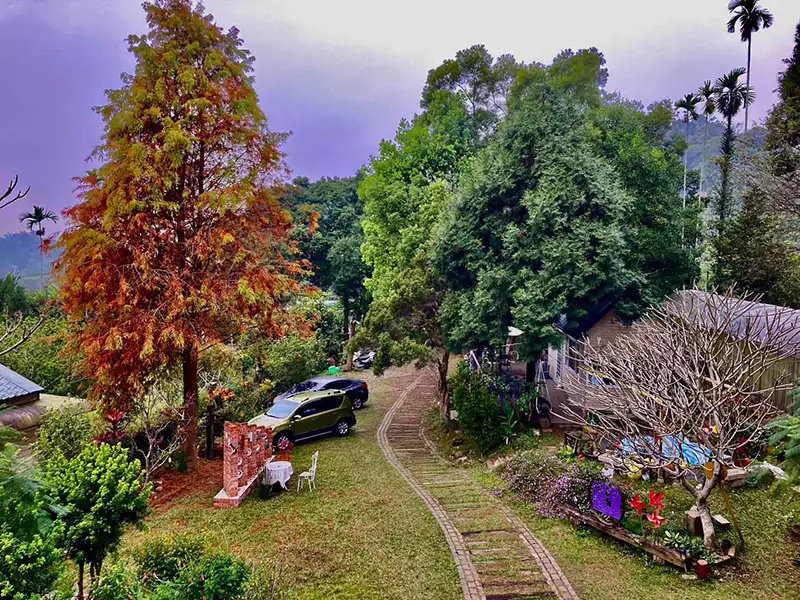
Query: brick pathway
[{"x": 497, "y": 556}]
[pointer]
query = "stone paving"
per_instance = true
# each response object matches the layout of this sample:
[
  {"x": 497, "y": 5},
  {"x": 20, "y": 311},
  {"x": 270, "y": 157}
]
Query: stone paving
[{"x": 497, "y": 556}]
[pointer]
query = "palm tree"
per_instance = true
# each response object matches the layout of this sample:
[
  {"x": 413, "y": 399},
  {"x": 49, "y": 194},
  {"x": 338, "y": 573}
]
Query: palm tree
[
  {"x": 688, "y": 104},
  {"x": 750, "y": 17},
  {"x": 731, "y": 96},
  {"x": 35, "y": 220},
  {"x": 708, "y": 97}
]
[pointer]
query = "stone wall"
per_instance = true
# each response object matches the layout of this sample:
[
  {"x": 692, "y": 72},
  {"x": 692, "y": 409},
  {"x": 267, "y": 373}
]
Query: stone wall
[{"x": 246, "y": 449}]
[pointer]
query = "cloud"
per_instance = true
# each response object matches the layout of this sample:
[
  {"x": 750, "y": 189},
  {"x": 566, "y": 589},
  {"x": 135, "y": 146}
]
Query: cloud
[{"x": 340, "y": 74}]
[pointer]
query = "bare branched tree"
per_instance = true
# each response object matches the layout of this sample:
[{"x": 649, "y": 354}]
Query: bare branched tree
[
  {"x": 6, "y": 197},
  {"x": 698, "y": 373},
  {"x": 158, "y": 420},
  {"x": 15, "y": 330}
]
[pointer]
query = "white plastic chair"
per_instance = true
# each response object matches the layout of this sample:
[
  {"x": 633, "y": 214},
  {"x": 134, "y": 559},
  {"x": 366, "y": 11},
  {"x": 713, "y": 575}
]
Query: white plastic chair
[{"x": 310, "y": 476}]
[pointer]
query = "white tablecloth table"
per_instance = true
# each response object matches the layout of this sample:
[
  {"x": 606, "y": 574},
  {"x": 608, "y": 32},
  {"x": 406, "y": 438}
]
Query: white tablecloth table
[{"x": 278, "y": 471}]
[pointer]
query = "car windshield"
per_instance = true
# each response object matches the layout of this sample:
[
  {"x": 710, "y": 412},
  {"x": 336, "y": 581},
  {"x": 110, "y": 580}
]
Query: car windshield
[
  {"x": 302, "y": 387},
  {"x": 281, "y": 409}
]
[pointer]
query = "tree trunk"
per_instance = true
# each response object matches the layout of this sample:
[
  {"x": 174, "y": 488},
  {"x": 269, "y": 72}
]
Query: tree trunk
[
  {"x": 210, "y": 431},
  {"x": 703, "y": 164},
  {"x": 685, "y": 172},
  {"x": 444, "y": 396},
  {"x": 80, "y": 580},
  {"x": 190, "y": 405},
  {"x": 701, "y": 504},
  {"x": 747, "y": 106},
  {"x": 351, "y": 332}
]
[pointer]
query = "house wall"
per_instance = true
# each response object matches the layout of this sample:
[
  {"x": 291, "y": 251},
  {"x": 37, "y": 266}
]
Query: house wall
[{"x": 601, "y": 333}]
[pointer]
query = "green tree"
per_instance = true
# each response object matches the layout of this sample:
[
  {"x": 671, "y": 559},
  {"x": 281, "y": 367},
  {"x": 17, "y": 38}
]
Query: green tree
[
  {"x": 783, "y": 125},
  {"x": 687, "y": 104},
  {"x": 101, "y": 490},
  {"x": 750, "y": 16},
  {"x": 482, "y": 83},
  {"x": 13, "y": 298},
  {"x": 756, "y": 255},
  {"x": 707, "y": 95},
  {"x": 35, "y": 221},
  {"x": 536, "y": 231},
  {"x": 41, "y": 358},
  {"x": 647, "y": 160},
  {"x": 732, "y": 97}
]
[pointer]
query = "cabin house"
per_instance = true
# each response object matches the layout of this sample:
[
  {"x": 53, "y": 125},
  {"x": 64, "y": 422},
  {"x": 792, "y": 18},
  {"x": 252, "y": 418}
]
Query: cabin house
[
  {"x": 16, "y": 389},
  {"x": 560, "y": 362}
]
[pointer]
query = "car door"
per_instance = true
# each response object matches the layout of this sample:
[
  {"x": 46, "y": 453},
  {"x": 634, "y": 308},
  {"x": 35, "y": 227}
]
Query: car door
[
  {"x": 329, "y": 411},
  {"x": 305, "y": 420}
]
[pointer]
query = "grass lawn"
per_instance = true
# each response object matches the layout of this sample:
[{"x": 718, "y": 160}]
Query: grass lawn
[
  {"x": 600, "y": 568},
  {"x": 363, "y": 535}
]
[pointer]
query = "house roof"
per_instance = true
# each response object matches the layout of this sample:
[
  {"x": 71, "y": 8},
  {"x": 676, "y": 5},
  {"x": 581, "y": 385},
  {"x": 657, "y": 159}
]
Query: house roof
[
  {"x": 776, "y": 326},
  {"x": 13, "y": 385}
]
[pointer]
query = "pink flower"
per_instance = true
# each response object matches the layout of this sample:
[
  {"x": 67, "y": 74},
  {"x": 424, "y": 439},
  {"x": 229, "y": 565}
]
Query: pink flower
[{"x": 656, "y": 519}]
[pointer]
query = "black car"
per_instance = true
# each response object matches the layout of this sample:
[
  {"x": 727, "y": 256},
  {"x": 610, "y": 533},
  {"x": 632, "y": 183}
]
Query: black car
[{"x": 356, "y": 389}]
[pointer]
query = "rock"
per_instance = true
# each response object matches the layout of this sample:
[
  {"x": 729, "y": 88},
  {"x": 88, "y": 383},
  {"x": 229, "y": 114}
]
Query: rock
[
  {"x": 736, "y": 477},
  {"x": 498, "y": 462},
  {"x": 462, "y": 460},
  {"x": 456, "y": 454},
  {"x": 457, "y": 441},
  {"x": 693, "y": 522}
]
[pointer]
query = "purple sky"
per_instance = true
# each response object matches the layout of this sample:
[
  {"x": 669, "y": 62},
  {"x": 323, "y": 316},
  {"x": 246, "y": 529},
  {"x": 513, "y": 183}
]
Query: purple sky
[{"x": 340, "y": 73}]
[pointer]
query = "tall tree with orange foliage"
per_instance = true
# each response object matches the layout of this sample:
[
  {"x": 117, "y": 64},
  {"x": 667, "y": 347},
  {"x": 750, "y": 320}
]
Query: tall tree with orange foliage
[{"x": 178, "y": 240}]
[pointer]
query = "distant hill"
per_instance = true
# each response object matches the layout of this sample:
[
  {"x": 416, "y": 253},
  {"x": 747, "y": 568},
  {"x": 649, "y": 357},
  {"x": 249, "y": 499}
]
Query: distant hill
[
  {"x": 711, "y": 150},
  {"x": 19, "y": 253}
]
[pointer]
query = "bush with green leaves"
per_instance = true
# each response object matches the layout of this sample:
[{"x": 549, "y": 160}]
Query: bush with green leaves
[
  {"x": 40, "y": 359},
  {"x": 176, "y": 568},
  {"x": 477, "y": 408},
  {"x": 30, "y": 561},
  {"x": 529, "y": 473},
  {"x": 101, "y": 490},
  {"x": 287, "y": 361},
  {"x": 63, "y": 432}
]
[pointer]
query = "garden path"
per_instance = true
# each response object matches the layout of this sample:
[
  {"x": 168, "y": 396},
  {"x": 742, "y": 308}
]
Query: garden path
[{"x": 497, "y": 556}]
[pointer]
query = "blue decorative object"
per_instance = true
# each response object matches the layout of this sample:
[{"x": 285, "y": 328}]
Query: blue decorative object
[{"x": 607, "y": 501}]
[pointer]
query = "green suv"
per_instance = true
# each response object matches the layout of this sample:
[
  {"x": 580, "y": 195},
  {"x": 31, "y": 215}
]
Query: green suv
[{"x": 308, "y": 415}]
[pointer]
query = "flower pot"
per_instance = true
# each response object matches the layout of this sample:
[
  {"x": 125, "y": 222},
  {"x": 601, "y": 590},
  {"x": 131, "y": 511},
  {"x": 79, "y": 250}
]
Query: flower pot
[{"x": 702, "y": 569}]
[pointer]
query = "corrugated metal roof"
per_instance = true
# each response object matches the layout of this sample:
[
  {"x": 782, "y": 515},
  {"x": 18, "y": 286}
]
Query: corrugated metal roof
[{"x": 13, "y": 385}]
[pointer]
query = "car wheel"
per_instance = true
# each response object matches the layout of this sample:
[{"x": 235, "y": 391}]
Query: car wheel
[
  {"x": 357, "y": 403},
  {"x": 281, "y": 437},
  {"x": 342, "y": 427}
]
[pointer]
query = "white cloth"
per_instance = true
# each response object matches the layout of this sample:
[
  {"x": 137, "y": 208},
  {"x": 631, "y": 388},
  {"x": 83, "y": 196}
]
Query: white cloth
[{"x": 278, "y": 471}]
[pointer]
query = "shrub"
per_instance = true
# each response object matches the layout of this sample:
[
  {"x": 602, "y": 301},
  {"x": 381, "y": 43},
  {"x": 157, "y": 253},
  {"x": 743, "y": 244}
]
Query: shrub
[
  {"x": 529, "y": 473},
  {"x": 101, "y": 490},
  {"x": 118, "y": 582},
  {"x": 477, "y": 408},
  {"x": 176, "y": 568},
  {"x": 163, "y": 558},
  {"x": 63, "y": 432},
  {"x": 30, "y": 562},
  {"x": 572, "y": 488}
]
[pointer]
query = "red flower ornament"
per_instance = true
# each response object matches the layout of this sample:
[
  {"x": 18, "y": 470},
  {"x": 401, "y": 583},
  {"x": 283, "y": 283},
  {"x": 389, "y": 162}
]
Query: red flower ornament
[
  {"x": 638, "y": 505},
  {"x": 656, "y": 519},
  {"x": 656, "y": 500}
]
